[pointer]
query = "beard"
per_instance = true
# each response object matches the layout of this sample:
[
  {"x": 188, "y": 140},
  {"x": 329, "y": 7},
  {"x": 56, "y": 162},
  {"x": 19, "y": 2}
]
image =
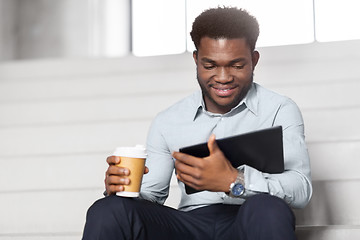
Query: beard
[{"x": 237, "y": 99}]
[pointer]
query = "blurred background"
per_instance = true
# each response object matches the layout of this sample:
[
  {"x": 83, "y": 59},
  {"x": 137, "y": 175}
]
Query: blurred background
[
  {"x": 33, "y": 29},
  {"x": 80, "y": 77}
]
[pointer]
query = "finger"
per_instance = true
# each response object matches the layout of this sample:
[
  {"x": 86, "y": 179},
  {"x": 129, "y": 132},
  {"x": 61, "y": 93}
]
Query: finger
[
  {"x": 146, "y": 170},
  {"x": 119, "y": 171},
  {"x": 112, "y": 189},
  {"x": 115, "y": 184},
  {"x": 113, "y": 160},
  {"x": 116, "y": 180},
  {"x": 185, "y": 158},
  {"x": 179, "y": 156},
  {"x": 212, "y": 144},
  {"x": 193, "y": 173},
  {"x": 188, "y": 180},
  {"x": 182, "y": 168}
]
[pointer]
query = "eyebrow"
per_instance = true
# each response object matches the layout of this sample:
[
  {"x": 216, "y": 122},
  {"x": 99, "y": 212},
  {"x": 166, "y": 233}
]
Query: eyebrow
[
  {"x": 236, "y": 60},
  {"x": 208, "y": 60}
]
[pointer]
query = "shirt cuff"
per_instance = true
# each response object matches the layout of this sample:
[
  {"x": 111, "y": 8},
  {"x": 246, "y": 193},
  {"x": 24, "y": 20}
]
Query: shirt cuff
[{"x": 255, "y": 181}]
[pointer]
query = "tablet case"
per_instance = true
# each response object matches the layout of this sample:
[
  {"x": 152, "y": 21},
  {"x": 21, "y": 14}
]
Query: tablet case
[{"x": 261, "y": 149}]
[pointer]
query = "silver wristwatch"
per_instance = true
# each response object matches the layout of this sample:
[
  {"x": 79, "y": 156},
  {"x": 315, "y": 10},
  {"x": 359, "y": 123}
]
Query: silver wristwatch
[{"x": 237, "y": 188}]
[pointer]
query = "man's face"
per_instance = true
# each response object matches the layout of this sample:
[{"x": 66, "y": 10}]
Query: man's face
[{"x": 224, "y": 71}]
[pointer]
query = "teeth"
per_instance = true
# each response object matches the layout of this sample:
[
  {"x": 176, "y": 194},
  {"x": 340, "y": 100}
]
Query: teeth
[{"x": 222, "y": 89}]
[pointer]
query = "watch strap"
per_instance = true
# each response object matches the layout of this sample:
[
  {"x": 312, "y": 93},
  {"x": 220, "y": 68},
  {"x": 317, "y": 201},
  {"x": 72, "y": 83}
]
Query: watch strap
[{"x": 239, "y": 180}]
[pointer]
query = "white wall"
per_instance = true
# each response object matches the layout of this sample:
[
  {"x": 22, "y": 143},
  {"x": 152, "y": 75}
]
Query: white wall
[
  {"x": 60, "y": 119},
  {"x": 7, "y": 29},
  {"x": 31, "y": 29}
]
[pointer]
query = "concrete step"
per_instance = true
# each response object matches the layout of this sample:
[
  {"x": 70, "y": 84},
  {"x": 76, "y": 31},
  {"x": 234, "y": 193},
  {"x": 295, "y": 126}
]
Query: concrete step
[
  {"x": 331, "y": 232},
  {"x": 334, "y": 203}
]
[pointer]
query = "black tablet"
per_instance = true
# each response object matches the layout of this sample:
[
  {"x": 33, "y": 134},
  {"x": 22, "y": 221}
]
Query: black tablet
[{"x": 261, "y": 149}]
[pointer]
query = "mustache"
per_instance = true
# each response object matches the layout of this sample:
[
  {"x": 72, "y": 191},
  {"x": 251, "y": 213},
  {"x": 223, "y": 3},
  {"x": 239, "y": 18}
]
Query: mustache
[{"x": 198, "y": 78}]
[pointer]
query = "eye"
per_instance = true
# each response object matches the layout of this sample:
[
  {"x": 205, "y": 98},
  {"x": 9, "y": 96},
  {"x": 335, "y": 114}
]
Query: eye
[
  {"x": 209, "y": 67},
  {"x": 238, "y": 66}
]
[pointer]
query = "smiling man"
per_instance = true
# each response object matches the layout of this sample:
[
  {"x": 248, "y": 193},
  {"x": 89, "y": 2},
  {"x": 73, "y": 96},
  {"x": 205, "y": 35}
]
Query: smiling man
[
  {"x": 224, "y": 71},
  {"x": 242, "y": 203}
]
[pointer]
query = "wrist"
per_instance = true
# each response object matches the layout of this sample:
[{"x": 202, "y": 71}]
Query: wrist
[
  {"x": 237, "y": 188},
  {"x": 241, "y": 177},
  {"x": 231, "y": 179}
]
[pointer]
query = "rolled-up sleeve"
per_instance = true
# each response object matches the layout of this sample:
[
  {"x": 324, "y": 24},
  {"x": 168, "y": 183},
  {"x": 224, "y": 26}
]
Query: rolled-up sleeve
[
  {"x": 155, "y": 185},
  {"x": 294, "y": 184}
]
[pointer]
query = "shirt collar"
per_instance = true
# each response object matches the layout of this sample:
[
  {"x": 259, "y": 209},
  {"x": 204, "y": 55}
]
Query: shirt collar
[{"x": 250, "y": 101}]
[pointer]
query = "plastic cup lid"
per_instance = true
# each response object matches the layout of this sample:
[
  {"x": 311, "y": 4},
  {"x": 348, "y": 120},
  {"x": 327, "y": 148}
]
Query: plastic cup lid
[{"x": 139, "y": 151}]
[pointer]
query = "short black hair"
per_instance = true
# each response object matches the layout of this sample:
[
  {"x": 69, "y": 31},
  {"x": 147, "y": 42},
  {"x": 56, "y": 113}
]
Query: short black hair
[{"x": 225, "y": 22}]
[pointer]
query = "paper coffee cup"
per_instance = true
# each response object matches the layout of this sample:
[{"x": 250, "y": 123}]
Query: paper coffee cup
[{"x": 132, "y": 158}]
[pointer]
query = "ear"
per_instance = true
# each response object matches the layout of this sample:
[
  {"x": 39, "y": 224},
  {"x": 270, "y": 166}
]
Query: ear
[
  {"x": 195, "y": 56},
  {"x": 255, "y": 58}
]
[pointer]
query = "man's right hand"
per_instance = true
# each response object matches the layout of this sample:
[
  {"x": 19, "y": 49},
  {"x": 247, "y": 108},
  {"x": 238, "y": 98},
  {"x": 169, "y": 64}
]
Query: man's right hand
[{"x": 116, "y": 177}]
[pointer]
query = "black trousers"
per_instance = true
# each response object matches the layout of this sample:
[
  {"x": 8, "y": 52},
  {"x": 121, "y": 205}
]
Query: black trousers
[{"x": 260, "y": 217}]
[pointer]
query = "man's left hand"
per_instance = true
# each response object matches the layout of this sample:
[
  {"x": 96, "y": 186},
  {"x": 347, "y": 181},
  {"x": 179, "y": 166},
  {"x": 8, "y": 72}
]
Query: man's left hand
[{"x": 213, "y": 173}]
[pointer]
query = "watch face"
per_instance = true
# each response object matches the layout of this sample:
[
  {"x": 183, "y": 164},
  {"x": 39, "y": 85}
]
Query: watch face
[{"x": 237, "y": 190}]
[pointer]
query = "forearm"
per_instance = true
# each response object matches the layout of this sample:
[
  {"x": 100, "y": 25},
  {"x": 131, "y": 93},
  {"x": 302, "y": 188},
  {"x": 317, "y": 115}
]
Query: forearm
[
  {"x": 292, "y": 186},
  {"x": 155, "y": 185}
]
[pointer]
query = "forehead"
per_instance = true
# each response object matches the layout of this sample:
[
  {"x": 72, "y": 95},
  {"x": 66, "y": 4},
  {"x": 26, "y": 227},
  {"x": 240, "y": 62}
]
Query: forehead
[{"x": 223, "y": 48}]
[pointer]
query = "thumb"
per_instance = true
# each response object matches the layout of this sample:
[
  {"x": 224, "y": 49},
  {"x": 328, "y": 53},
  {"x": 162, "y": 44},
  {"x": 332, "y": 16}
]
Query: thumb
[{"x": 212, "y": 145}]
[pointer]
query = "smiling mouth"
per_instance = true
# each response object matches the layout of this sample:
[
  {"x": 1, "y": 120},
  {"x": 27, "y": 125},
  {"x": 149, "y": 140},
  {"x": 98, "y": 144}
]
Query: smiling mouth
[{"x": 223, "y": 92}]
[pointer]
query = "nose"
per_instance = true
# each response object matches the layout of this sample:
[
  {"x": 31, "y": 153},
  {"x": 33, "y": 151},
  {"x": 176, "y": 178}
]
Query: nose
[{"x": 223, "y": 75}]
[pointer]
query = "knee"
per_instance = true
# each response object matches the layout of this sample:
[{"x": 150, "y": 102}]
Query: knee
[
  {"x": 105, "y": 207},
  {"x": 267, "y": 208},
  {"x": 266, "y": 217},
  {"x": 104, "y": 218},
  {"x": 99, "y": 207},
  {"x": 107, "y": 212}
]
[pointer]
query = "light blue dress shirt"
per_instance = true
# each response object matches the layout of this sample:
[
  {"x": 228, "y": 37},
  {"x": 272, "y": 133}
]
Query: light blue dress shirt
[{"x": 187, "y": 122}]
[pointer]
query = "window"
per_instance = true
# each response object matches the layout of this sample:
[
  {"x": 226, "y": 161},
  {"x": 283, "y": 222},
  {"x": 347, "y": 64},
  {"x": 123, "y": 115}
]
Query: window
[
  {"x": 158, "y": 27},
  {"x": 337, "y": 20},
  {"x": 163, "y": 26},
  {"x": 281, "y": 22}
]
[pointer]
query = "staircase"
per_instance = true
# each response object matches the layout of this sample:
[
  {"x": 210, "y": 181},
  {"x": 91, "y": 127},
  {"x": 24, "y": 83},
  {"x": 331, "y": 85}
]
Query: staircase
[{"x": 60, "y": 119}]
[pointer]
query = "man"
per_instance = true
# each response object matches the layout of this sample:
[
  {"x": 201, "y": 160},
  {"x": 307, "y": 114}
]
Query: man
[{"x": 229, "y": 103}]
